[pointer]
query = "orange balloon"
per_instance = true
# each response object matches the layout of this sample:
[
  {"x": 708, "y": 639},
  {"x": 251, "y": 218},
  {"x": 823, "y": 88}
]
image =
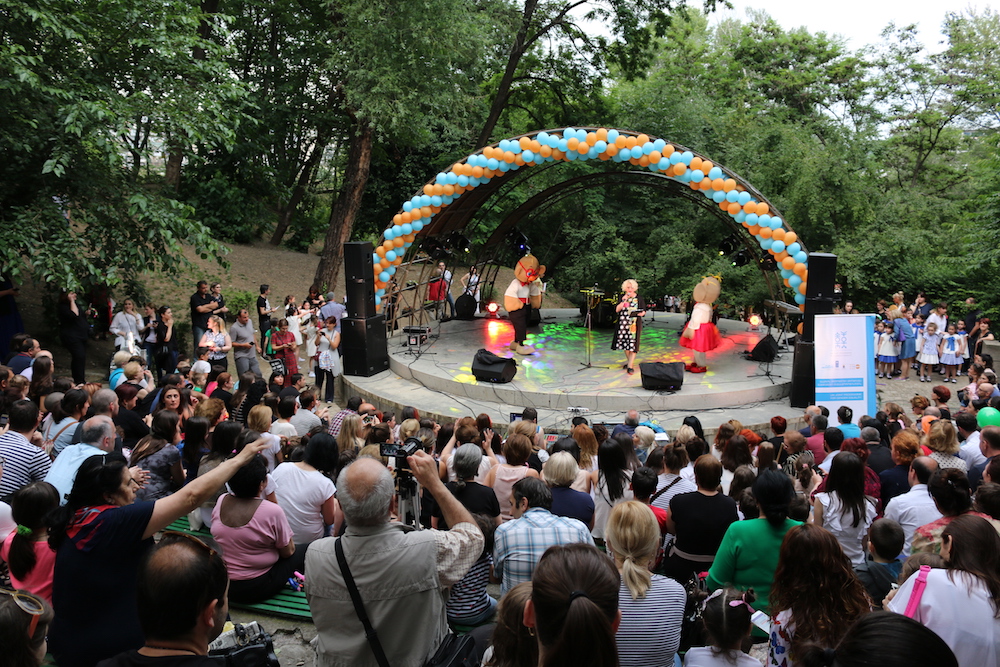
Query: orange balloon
[
  {"x": 488, "y": 173},
  {"x": 634, "y": 161},
  {"x": 705, "y": 184},
  {"x": 790, "y": 237},
  {"x": 718, "y": 184},
  {"x": 729, "y": 185},
  {"x": 802, "y": 307},
  {"x": 654, "y": 157},
  {"x": 668, "y": 150},
  {"x": 384, "y": 263},
  {"x": 631, "y": 142},
  {"x": 380, "y": 251},
  {"x": 745, "y": 224},
  {"x": 583, "y": 148},
  {"x": 558, "y": 154},
  {"x": 435, "y": 209},
  {"x": 399, "y": 256},
  {"x": 706, "y": 165},
  {"x": 621, "y": 141},
  {"x": 416, "y": 214},
  {"x": 545, "y": 151},
  {"x": 765, "y": 232},
  {"x": 762, "y": 208},
  {"x": 449, "y": 189},
  {"x": 680, "y": 168},
  {"x": 602, "y": 133},
  {"x": 695, "y": 162},
  {"x": 781, "y": 256},
  {"x": 750, "y": 207},
  {"x": 805, "y": 275},
  {"x": 508, "y": 157},
  {"x": 438, "y": 189},
  {"x": 457, "y": 168},
  {"x": 592, "y": 138},
  {"x": 524, "y": 143},
  {"x": 426, "y": 210},
  {"x": 641, "y": 139},
  {"x": 535, "y": 146},
  {"x": 467, "y": 170},
  {"x": 603, "y": 157},
  {"x": 519, "y": 161},
  {"x": 612, "y": 150},
  {"x": 488, "y": 151},
  {"x": 398, "y": 242},
  {"x": 802, "y": 288},
  {"x": 799, "y": 269},
  {"x": 573, "y": 144},
  {"x": 429, "y": 189},
  {"x": 787, "y": 284},
  {"x": 778, "y": 234},
  {"x": 734, "y": 208},
  {"x": 644, "y": 161},
  {"x": 799, "y": 328},
  {"x": 477, "y": 172},
  {"x": 755, "y": 230},
  {"x": 387, "y": 245},
  {"x": 459, "y": 189},
  {"x": 397, "y": 219},
  {"x": 409, "y": 237},
  {"x": 724, "y": 205},
  {"x": 696, "y": 186}
]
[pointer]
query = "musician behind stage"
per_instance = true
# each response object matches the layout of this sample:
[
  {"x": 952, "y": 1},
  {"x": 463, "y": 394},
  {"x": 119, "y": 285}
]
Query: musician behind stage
[{"x": 631, "y": 310}]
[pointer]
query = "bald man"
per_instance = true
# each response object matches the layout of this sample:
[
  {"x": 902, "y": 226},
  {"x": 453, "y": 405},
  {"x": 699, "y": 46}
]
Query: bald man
[
  {"x": 402, "y": 575},
  {"x": 97, "y": 436}
]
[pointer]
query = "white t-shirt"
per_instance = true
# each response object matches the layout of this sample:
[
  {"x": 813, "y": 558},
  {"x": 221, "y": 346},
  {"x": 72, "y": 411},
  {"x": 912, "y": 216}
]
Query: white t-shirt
[
  {"x": 705, "y": 656},
  {"x": 284, "y": 428},
  {"x": 301, "y": 493},
  {"x": 839, "y": 522},
  {"x": 201, "y": 366},
  {"x": 963, "y": 618},
  {"x": 270, "y": 454},
  {"x": 519, "y": 291},
  {"x": 7, "y": 523}
]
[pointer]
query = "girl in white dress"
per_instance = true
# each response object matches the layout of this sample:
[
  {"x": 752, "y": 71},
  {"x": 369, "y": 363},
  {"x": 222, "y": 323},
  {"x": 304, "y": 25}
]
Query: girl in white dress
[
  {"x": 887, "y": 353},
  {"x": 309, "y": 335},
  {"x": 950, "y": 348},
  {"x": 927, "y": 343}
]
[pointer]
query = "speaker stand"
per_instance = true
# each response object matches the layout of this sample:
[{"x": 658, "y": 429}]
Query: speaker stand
[{"x": 764, "y": 371}]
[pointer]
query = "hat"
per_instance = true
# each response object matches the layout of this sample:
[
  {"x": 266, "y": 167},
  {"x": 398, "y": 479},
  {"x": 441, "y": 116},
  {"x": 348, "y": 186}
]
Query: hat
[{"x": 330, "y": 296}]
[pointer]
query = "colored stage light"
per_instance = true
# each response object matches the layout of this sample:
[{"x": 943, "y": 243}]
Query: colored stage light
[
  {"x": 729, "y": 245},
  {"x": 491, "y": 309},
  {"x": 742, "y": 258},
  {"x": 755, "y": 320}
]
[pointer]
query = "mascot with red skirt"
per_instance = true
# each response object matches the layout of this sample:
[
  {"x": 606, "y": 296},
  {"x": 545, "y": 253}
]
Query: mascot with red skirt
[{"x": 701, "y": 334}]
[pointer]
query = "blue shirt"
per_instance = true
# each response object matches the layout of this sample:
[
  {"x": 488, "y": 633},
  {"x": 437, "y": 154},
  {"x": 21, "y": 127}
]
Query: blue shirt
[
  {"x": 519, "y": 544},
  {"x": 62, "y": 474},
  {"x": 850, "y": 430},
  {"x": 333, "y": 309}
]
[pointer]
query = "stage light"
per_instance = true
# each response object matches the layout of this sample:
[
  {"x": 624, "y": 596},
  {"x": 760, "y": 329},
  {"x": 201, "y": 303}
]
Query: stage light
[
  {"x": 769, "y": 264},
  {"x": 436, "y": 249},
  {"x": 742, "y": 258},
  {"x": 491, "y": 310},
  {"x": 459, "y": 242},
  {"x": 729, "y": 245},
  {"x": 755, "y": 322},
  {"x": 518, "y": 243}
]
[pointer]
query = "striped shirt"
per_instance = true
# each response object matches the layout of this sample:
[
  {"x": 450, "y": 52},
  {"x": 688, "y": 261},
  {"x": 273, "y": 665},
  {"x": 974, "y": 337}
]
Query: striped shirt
[
  {"x": 650, "y": 630},
  {"x": 468, "y": 598},
  {"x": 519, "y": 544},
  {"x": 25, "y": 463}
]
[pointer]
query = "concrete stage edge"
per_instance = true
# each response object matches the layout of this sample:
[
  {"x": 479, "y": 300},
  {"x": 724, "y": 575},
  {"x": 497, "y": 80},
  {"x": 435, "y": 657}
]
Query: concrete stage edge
[{"x": 437, "y": 378}]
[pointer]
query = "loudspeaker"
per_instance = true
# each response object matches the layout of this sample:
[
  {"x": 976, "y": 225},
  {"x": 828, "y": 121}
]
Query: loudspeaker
[
  {"x": 465, "y": 307},
  {"x": 766, "y": 350},
  {"x": 659, "y": 375},
  {"x": 488, "y": 367},
  {"x": 803, "y": 390},
  {"x": 534, "y": 317},
  {"x": 363, "y": 346},
  {"x": 358, "y": 269},
  {"x": 820, "y": 296}
]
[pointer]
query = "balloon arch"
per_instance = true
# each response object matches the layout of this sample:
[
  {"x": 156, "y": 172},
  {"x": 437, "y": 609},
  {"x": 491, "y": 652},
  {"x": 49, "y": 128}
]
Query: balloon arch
[{"x": 734, "y": 197}]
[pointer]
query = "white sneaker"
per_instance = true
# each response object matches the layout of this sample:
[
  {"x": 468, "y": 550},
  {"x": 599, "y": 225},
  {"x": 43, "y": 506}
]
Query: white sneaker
[{"x": 312, "y": 374}]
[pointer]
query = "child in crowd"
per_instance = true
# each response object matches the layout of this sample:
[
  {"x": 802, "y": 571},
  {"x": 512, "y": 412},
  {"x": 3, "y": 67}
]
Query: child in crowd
[
  {"x": 965, "y": 343},
  {"x": 882, "y": 565},
  {"x": 202, "y": 365},
  {"x": 26, "y": 550},
  {"x": 950, "y": 350},
  {"x": 879, "y": 330},
  {"x": 888, "y": 355},
  {"x": 198, "y": 381},
  {"x": 927, "y": 343},
  {"x": 726, "y": 617}
]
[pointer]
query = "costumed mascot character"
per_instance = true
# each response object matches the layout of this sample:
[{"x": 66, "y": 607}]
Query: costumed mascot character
[
  {"x": 701, "y": 334},
  {"x": 523, "y": 294}
]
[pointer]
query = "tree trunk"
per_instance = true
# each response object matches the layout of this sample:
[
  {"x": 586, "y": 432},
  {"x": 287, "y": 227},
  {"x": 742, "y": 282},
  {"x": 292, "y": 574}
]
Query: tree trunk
[
  {"x": 287, "y": 212},
  {"x": 503, "y": 90},
  {"x": 175, "y": 156},
  {"x": 345, "y": 208}
]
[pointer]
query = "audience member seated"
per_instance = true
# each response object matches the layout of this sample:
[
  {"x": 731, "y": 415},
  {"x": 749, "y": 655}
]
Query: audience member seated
[
  {"x": 560, "y": 471},
  {"x": 26, "y": 549},
  {"x": 843, "y": 507},
  {"x": 895, "y": 481},
  {"x": 651, "y": 606},
  {"x": 503, "y": 476},
  {"x": 182, "y": 605},
  {"x": 257, "y": 542},
  {"x": 916, "y": 507},
  {"x": 950, "y": 490},
  {"x": 24, "y": 624},
  {"x": 158, "y": 454},
  {"x": 882, "y": 639},
  {"x": 726, "y": 617},
  {"x": 100, "y": 537},
  {"x": 20, "y": 447},
  {"x": 519, "y": 544},
  {"x": 305, "y": 491},
  {"x": 512, "y": 644},
  {"x": 468, "y": 602},
  {"x": 475, "y": 497},
  {"x": 882, "y": 566}
]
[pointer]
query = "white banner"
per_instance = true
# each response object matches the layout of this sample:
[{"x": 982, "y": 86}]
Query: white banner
[{"x": 845, "y": 363}]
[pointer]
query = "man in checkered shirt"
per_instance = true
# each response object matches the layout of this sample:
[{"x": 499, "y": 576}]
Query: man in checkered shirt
[{"x": 519, "y": 544}]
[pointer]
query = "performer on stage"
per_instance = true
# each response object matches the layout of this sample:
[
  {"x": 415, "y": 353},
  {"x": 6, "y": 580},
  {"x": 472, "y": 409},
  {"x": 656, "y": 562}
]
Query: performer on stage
[
  {"x": 630, "y": 311},
  {"x": 523, "y": 294},
  {"x": 700, "y": 334}
]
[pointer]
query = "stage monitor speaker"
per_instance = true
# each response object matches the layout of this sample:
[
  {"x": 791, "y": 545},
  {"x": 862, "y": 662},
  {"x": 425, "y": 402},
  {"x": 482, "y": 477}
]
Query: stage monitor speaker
[
  {"x": 465, "y": 307},
  {"x": 766, "y": 350},
  {"x": 489, "y": 367},
  {"x": 803, "y": 389},
  {"x": 358, "y": 269},
  {"x": 660, "y": 375},
  {"x": 363, "y": 346},
  {"x": 534, "y": 317}
]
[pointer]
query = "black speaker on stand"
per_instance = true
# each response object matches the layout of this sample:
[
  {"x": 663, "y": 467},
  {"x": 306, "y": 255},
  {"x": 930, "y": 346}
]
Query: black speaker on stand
[
  {"x": 820, "y": 298},
  {"x": 363, "y": 345},
  {"x": 658, "y": 375},
  {"x": 766, "y": 350}
]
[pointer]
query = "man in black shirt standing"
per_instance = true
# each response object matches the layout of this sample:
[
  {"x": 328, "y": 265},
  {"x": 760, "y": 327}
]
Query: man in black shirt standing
[
  {"x": 202, "y": 307},
  {"x": 264, "y": 310}
]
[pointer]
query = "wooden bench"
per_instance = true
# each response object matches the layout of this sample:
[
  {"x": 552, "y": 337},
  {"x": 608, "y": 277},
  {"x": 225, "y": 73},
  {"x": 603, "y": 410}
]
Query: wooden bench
[{"x": 182, "y": 525}]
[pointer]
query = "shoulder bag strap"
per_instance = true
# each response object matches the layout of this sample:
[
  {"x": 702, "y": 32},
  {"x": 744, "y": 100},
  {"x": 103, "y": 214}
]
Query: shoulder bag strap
[
  {"x": 663, "y": 490},
  {"x": 359, "y": 607},
  {"x": 918, "y": 592}
]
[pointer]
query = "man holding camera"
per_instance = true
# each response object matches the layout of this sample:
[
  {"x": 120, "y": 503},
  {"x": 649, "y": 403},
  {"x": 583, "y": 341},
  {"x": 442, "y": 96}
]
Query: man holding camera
[{"x": 401, "y": 574}]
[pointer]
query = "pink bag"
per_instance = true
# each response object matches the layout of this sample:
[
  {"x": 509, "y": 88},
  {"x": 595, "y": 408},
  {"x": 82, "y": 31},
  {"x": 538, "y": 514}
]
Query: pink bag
[{"x": 918, "y": 592}]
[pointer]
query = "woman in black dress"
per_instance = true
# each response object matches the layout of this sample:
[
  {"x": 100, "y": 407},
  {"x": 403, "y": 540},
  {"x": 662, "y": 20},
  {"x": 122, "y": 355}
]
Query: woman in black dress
[
  {"x": 631, "y": 310},
  {"x": 74, "y": 329}
]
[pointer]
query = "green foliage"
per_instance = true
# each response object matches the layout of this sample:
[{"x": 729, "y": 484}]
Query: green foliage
[{"x": 239, "y": 299}]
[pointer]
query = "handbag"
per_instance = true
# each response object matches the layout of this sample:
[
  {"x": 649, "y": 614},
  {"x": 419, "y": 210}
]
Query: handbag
[
  {"x": 918, "y": 592},
  {"x": 245, "y": 646},
  {"x": 454, "y": 650}
]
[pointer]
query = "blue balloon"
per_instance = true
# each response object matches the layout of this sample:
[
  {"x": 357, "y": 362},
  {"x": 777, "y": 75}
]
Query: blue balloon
[
  {"x": 764, "y": 220},
  {"x": 697, "y": 175},
  {"x": 741, "y": 216},
  {"x": 380, "y": 291},
  {"x": 384, "y": 276},
  {"x": 647, "y": 148},
  {"x": 375, "y": 258},
  {"x": 378, "y": 299},
  {"x": 542, "y": 137},
  {"x": 572, "y": 156},
  {"x": 659, "y": 145},
  {"x": 732, "y": 196},
  {"x": 407, "y": 206},
  {"x": 718, "y": 196},
  {"x": 601, "y": 146},
  {"x": 715, "y": 173},
  {"x": 425, "y": 200},
  {"x": 569, "y": 132},
  {"x": 653, "y": 167},
  {"x": 800, "y": 257},
  {"x": 800, "y": 299},
  {"x": 777, "y": 223},
  {"x": 636, "y": 152},
  {"x": 794, "y": 248},
  {"x": 504, "y": 167},
  {"x": 744, "y": 198},
  {"x": 407, "y": 244},
  {"x": 593, "y": 153},
  {"x": 686, "y": 157},
  {"x": 463, "y": 180},
  {"x": 663, "y": 164},
  {"x": 613, "y": 136},
  {"x": 787, "y": 273},
  {"x": 417, "y": 225},
  {"x": 765, "y": 244},
  {"x": 528, "y": 156},
  {"x": 436, "y": 200},
  {"x": 563, "y": 144},
  {"x": 390, "y": 255},
  {"x": 447, "y": 199},
  {"x": 504, "y": 145},
  {"x": 675, "y": 158},
  {"x": 407, "y": 229},
  {"x": 452, "y": 178},
  {"x": 493, "y": 163},
  {"x": 752, "y": 219},
  {"x": 685, "y": 177},
  {"x": 778, "y": 246},
  {"x": 389, "y": 234},
  {"x": 391, "y": 270}
]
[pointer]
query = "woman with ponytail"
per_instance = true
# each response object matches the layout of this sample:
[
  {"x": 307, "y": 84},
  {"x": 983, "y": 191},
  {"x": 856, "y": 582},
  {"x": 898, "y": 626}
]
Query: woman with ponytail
[
  {"x": 652, "y": 606},
  {"x": 748, "y": 555},
  {"x": 574, "y": 607},
  {"x": 26, "y": 550}
]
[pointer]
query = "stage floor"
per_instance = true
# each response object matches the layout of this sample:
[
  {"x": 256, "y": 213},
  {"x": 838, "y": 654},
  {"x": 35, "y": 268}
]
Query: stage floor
[{"x": 554, "y": 378}]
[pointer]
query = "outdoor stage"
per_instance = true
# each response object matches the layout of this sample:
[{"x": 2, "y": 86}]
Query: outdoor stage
[{"x": 437, "y": 376}]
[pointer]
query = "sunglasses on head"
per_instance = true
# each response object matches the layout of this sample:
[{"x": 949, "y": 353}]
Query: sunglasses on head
[{"x": 30, "y": 605}]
